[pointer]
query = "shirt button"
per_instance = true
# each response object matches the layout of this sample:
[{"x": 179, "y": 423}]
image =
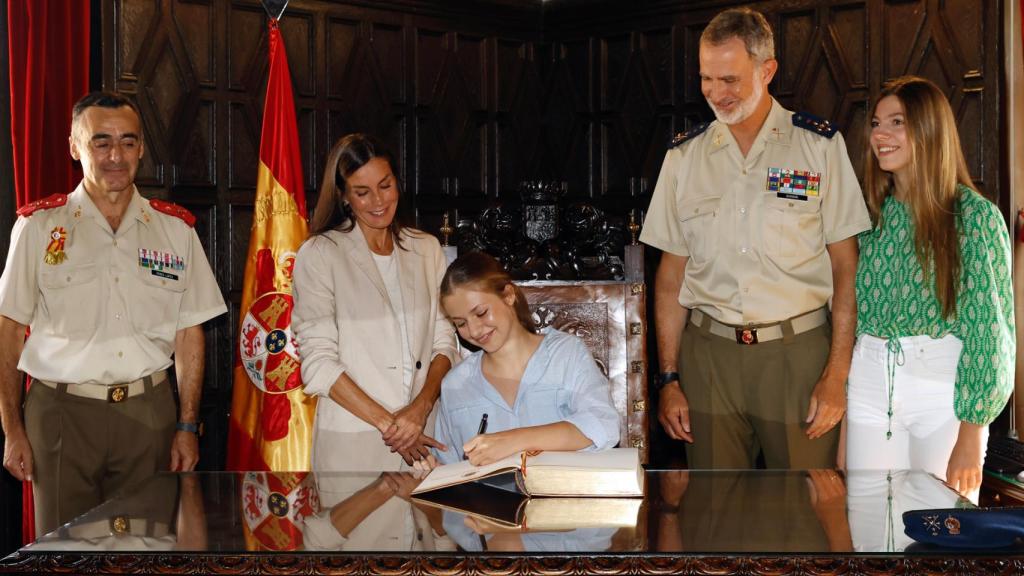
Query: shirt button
[
  {"x": 69, "y": 278},
  {"x": 116, "y": 279},
  {"x": 743, "y": 250},
  {"x": 120, "y": 354},
  {"x": 115, "y": 241},
  {"x": 743, "y": 210},
  {"x": 746, "y": 290},
  {"x": 117, "y": 316}
]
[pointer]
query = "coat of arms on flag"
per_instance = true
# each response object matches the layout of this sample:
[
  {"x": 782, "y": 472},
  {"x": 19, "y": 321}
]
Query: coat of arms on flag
[
  {"x": 266, "y": 345},
  {"x": 275, "y": 505}
]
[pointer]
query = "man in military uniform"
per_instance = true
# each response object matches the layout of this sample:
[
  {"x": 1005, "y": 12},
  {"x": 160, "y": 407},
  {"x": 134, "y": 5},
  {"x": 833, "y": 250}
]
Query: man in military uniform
[
  {"x": 756, "y": 215},
  {"x": 112, "y": 286}
]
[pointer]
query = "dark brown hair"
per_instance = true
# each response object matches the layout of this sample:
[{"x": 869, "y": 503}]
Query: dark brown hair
[
  {"x": 937, "y": 169},
  {"x": 481, "y": 272},
  {"x": 101, "y": 99},
  {"x": 347, "y": 156}
]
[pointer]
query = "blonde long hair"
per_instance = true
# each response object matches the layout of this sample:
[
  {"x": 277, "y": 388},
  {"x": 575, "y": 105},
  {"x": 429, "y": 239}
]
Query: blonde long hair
[{"x": 937, "y": 168}]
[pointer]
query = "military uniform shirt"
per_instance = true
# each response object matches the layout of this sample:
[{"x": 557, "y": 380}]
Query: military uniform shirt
[
  {"x": 755, "y": 229},
  {"x": 107, "y": 312}
]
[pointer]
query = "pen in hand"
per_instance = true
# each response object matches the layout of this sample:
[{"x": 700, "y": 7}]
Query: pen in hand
[{"x": 481, "y": 430}]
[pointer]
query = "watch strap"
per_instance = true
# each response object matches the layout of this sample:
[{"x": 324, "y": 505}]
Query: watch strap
[
  {"x": 666, "y": 378},
  {"x": 193, "y": 427}
]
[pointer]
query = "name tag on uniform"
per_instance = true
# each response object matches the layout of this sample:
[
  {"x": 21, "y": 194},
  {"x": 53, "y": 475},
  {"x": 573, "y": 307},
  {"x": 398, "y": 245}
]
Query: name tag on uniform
[
  {"x": 161, "y": 263},
  {"x": 793, "y": 184}
]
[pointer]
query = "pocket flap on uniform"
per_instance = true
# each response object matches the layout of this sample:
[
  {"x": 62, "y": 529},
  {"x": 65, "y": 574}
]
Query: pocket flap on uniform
[
  {"x": 173, "y": 280},
  {"x": 69, "y": 276},
  {"x": 810, "y": 205},
  {"x": 690, "y": 209}
]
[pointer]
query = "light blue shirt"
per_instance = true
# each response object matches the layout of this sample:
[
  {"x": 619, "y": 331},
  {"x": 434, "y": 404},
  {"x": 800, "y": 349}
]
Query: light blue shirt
[{"x": 562, "y": 382}]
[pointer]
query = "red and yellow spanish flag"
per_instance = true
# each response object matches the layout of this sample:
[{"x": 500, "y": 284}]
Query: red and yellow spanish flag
[{"x": 271, "y": 418}]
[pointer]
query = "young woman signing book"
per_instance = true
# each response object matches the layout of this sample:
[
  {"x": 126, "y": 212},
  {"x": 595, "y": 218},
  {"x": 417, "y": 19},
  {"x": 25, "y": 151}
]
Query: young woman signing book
[{"x": 539, "y": 391}]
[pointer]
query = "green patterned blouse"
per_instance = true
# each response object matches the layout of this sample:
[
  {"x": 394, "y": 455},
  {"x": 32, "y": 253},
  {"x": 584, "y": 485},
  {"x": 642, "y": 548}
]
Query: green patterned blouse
[{"x": 893, "y": 302}]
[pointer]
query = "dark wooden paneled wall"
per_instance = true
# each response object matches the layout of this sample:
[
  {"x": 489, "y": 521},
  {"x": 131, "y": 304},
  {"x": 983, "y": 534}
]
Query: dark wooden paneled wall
[{"x": 477, "y": 96}]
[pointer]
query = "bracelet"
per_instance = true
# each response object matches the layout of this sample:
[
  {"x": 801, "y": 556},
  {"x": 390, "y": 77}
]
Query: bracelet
[{"x": 193, "y": 427}]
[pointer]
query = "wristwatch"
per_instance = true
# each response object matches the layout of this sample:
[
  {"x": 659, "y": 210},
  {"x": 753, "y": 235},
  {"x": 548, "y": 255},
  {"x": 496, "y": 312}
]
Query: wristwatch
[
  {"x": 193, "y": 427},
  {"x": 666, "y": 378}
]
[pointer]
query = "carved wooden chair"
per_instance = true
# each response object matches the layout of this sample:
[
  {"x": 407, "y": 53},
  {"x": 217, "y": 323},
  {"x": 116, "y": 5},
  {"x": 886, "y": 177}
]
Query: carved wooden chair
[{"x": 610, "y": 316}]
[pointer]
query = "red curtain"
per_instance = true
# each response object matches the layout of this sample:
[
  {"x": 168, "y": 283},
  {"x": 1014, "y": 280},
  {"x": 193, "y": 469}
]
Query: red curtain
[{"x": 49, "y": 71}]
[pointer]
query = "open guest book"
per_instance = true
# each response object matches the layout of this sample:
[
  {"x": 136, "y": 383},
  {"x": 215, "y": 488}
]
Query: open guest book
[
  {"x": 615, "y": 472},
  {"x": 504, "y": 510}
]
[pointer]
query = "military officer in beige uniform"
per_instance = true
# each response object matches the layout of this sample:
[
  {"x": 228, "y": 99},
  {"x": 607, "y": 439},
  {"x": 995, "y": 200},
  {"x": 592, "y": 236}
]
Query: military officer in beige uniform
[
  {"x": 756, "y": 215},
  {"x": 112, "y": 286}
]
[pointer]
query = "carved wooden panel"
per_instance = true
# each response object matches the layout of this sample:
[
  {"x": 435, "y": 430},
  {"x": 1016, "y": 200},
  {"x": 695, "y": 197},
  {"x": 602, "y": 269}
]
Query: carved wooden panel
[
  {"x": 498, "y": 563},
  {"x": 475, "y": 97}
]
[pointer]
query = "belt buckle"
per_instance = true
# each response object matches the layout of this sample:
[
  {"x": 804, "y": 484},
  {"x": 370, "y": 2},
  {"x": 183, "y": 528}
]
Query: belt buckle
[
  {"x": 116, "y": 394},
  {"x": 746, "y": 336},
  {"x": 119, "y": 525}
]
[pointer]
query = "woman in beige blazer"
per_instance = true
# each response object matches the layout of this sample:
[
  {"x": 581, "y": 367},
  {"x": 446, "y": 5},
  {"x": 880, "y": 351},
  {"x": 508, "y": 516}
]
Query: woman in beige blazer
[{"x": 371, "y": 338}]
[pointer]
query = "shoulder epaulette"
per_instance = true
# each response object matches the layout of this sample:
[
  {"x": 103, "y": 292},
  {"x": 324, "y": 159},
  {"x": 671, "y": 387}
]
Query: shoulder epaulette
[
  {"x": 691, "y": 133},
  {"x": 172, "y": 209},
  {"x": 814, "y": 124},
  {"x": 52, "y": 201}
]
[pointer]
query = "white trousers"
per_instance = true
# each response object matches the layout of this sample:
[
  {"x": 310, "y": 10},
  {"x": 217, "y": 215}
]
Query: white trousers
[
  {"x": 876, "y": 501},
  {"x": 922, "y": 374}
]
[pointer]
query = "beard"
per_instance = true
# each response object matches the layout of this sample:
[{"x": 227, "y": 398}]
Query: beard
[{"x": 745, "y": 108}]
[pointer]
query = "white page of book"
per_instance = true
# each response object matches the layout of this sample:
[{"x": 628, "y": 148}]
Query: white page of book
[{"x": 463, "y": 471}]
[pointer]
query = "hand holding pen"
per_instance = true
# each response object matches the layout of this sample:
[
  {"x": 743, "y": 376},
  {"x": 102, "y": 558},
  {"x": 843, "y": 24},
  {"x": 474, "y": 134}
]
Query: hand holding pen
[{"x": 481, "y": 430}]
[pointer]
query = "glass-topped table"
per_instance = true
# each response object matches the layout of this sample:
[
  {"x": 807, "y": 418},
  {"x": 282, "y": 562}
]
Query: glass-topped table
[{"x": 688, "y": 522}]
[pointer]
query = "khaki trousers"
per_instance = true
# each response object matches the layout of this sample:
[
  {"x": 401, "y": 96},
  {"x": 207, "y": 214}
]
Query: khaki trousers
[
  {"x": 86, "y": 450},
  {"x": 750, "y": 398},
  {"x": 743, "y": 510}
]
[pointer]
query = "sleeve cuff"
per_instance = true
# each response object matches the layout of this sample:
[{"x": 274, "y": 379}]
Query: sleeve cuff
[
  {"x": 664, "y": 245},
  {"x": 593, "y": 428},
  {"x": 320, "y": 383},
  {"x": 847, "y": 232},
  {"x": 24, "y": 319},
  {"x": 320, "y": 534},
  {"x": 197, "y": 318}
]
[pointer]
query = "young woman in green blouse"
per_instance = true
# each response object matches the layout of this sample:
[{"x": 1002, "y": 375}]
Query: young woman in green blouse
[{"x": 934, "y": 359}]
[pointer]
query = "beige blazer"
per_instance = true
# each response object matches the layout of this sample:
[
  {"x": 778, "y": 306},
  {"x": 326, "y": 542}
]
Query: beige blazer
[{"x": 345, "y": 322}]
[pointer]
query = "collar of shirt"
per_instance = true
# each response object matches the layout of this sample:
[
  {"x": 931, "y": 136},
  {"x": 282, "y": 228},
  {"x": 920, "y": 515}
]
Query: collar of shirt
[
  {"x": 776, "y": 130},
  {"x": 83, "y": 208},
  {"x": 535, "y": 363}
]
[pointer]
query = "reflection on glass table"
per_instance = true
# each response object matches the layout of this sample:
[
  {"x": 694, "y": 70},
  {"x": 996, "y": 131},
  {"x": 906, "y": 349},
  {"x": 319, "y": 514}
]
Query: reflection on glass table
[
  {"x": 689, "y": 512},
  {"x": 793, "y": 512}
]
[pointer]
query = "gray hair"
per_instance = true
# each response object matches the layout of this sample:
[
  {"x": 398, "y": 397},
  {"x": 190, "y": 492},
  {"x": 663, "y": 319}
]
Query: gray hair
[{"x": 747, "y": 25}]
